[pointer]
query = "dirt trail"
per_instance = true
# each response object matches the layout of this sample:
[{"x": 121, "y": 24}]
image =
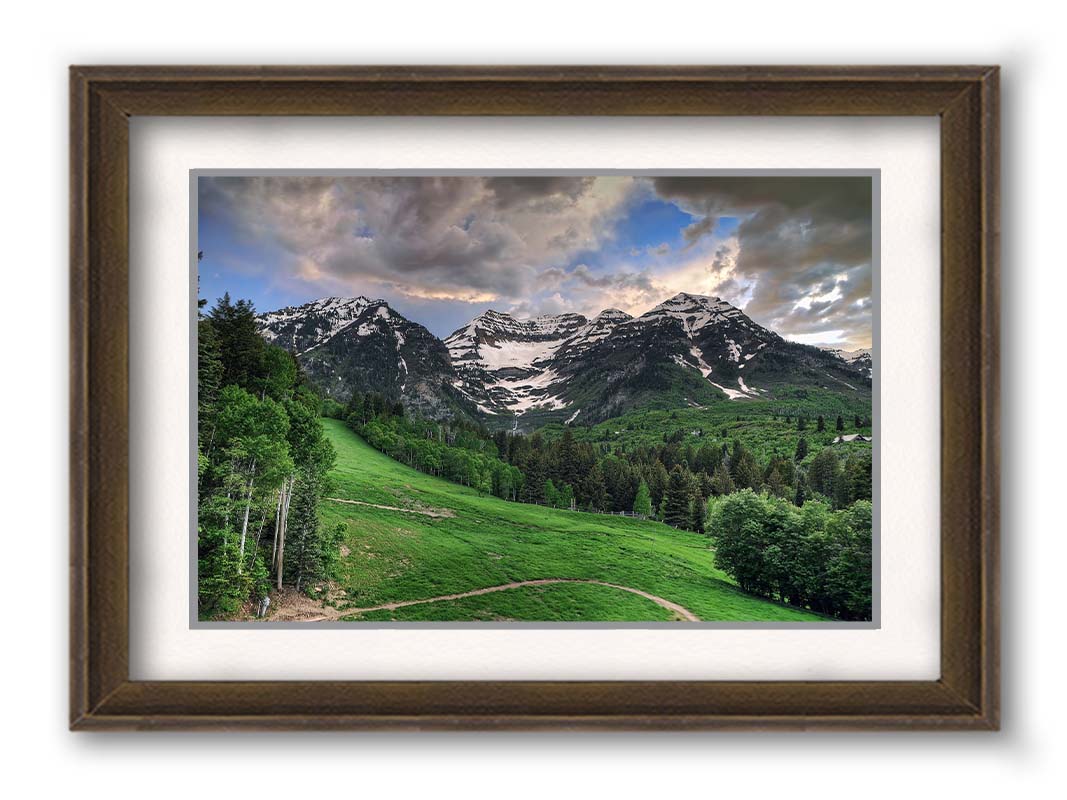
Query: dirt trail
[
  {"x": 436, "y": 514},
  {"x": 327, "y": 614}
]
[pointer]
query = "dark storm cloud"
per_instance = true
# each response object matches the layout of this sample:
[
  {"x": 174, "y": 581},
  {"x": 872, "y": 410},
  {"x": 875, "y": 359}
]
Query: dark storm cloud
[
  {"x": 640, "y": 281},
  {"x": 804, "y": 245},
  {"x": 458, "y": 237},
  {"x": 513, "y": 190}
]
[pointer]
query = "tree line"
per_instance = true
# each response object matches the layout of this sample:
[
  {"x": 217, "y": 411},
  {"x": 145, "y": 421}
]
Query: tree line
[
  {"x": 262, "y": 466},
  {"x": 669, "y": 480}
]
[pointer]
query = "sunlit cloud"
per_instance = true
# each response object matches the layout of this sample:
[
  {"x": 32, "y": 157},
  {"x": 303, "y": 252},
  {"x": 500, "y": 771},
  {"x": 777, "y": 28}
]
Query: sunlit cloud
[{"x": 793, "y": 253}]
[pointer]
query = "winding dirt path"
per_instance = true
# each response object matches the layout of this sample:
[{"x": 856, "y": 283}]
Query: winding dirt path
[{"x": 329, "y": 614}]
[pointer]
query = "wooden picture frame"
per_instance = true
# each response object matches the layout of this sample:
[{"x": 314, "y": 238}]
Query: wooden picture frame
[{"x": 102, "y": 99}]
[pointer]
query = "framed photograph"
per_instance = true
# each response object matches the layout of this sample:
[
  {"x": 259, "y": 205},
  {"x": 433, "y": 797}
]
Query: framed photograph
[{"x": 635, "y": 398}]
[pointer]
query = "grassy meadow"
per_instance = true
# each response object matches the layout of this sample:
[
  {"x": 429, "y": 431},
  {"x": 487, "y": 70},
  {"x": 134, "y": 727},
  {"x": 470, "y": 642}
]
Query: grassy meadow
[{"x": 464, "y": 541}]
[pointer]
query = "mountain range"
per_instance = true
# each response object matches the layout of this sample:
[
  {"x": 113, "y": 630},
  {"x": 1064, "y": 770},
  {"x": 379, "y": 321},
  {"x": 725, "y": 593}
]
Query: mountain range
[{"x": 688, "y": 350}]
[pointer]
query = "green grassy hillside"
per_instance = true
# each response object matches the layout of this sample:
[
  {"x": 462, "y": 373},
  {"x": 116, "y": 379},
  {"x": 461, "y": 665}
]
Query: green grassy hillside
[{"x": 452, "y": 540}]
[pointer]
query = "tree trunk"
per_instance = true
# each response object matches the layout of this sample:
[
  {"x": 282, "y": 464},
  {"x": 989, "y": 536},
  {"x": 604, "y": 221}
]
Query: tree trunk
[
  {"x": 244, "y": 525},
  {"x": 281, "y": 537},
  {"x": 277, "y": 525},
  {"x": 259, "y": 534}
]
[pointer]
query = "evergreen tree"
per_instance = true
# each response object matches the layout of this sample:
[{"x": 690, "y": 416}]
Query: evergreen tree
[
  {"x": 736, "y": 455},
  {"x": 802, "y": 450},
  {"x": 533, "y": 488},
  {"x": 840, "y": 423},
  {"x": 858, "y": 469},
  {"x": 820, "y": 424},
  {"x": 596, "y": 493},
  {"x": 567, "y": 465},
  {"x": 721, "y": 482},
  {"x": 704, "y": 484},
  {"x": 842, "y": 489},
  {"x": 208, "y": 372},
  {"x": 658, "y": 478},
  {"x": 823, "y": 470},
  {"x": 802, "y": 423},
  {"x": 775, "y": 485},
  {"x": 676, "y": 500},
  {"x": 748, "y": 475},
  {"x": 240, "y": 345},
  {"x": 697, "y": 513}
]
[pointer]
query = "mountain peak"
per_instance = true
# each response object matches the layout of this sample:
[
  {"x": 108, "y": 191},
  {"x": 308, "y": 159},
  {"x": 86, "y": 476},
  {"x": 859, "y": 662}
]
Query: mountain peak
[
  {"x": 493, "y": 314},
  {"x": 694, "y": 311},
  {"x": 687, "y": 299},
  {"x": 305, "y": 327}
]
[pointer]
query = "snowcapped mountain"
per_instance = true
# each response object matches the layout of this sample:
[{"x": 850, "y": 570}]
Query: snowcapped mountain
[
  {"x": 861, "y": 359},
  {"x": 302, "y": 328},
  {"x": 702, "y": 333},
  {"x": 688, "y": 350},
  {"x": 356, "y": 344},
  {"x": 505, "y": 365},
  {"x": 592, "y": 333},
  {"x": 695, "y": 312}
]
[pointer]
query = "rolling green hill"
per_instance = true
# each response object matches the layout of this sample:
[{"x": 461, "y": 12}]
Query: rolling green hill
[{"x": 409, "y": 536}]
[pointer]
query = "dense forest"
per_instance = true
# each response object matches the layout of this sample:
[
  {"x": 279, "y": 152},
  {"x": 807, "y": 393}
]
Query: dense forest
[
  {"x": 262, "y": 467},
  {"x": 670, "y": 479}
]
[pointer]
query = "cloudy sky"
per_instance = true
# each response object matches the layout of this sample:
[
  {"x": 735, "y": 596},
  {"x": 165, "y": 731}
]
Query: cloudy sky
[{"x": 793, "y": 252}]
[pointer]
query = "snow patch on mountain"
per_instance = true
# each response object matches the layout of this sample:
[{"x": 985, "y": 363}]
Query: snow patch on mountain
[
  {"x": 862, "y": 358},
  {"x": 312, "y": 324},
  {"x": 694, "y": 311},
  {"x": 510, "y": 358}
]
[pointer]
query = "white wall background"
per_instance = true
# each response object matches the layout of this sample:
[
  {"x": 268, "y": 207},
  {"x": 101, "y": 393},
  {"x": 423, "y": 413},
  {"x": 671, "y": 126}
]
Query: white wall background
[{"x": 40, "y": 756}]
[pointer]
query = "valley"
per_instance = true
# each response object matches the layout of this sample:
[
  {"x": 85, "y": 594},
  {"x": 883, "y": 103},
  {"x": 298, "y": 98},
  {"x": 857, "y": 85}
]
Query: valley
[
  {"x": 483, "y": 542},
  {"x": 548, "y": 469}
]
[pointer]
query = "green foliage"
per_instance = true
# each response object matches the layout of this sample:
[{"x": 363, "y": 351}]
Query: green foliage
[
  {"x": 775, "y": 485},
  {"x": 455, "y": 451},
  {"x": 477, "y": 540},
  {"x": 676, "y": 501},
  {"x": 697, "y": 512},
  {"x": 809, "y": 557},
  {"x": 721, "y": 482},
  {"x": 241, "y": 349},
  {"x": 260, "y": 441},
  {"x": 643, "y": 500},
  {"x": 332, "y": 409}
]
